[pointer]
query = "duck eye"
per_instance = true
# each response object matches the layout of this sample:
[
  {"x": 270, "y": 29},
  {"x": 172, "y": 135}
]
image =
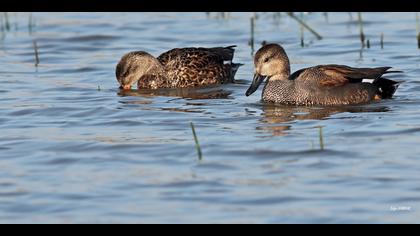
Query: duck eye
[{"x": 266, "y": 59}]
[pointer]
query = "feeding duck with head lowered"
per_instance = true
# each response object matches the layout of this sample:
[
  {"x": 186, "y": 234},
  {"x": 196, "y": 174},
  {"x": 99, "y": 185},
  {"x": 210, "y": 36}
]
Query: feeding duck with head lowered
[
  {"x": 177, "y": 68},
  {"x": 318, "y": 85}
]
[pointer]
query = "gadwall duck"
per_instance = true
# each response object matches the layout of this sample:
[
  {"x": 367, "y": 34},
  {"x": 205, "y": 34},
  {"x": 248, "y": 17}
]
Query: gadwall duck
[
  {"x": 177, "y": 68},
  {"x": 318, "y": 85}
]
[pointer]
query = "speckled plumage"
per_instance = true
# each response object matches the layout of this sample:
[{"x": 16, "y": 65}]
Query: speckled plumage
[
  {"x": 318, "y": 85},
  {"x": 178, "y": 68}
]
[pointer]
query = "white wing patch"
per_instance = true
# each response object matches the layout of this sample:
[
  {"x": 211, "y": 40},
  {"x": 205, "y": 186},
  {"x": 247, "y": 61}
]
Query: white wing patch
[{"x": 368, "y": 81}]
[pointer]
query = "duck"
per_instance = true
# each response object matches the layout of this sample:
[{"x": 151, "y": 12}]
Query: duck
[
  {"x": 177, "y": 68},
  {"x": 325, "y": 85}
]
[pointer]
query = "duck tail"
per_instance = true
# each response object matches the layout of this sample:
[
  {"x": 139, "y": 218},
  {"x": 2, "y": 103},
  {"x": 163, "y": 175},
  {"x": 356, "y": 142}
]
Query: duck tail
[
  {"x": 225, "y": 52},
  {"x": 235, "y": 67},
  {"x": 386, "y": 87}
]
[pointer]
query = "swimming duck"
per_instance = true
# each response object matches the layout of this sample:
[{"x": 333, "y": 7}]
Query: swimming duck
[
  {"x": 177, "y": 68},
  {"x": 318, "y": 85}
]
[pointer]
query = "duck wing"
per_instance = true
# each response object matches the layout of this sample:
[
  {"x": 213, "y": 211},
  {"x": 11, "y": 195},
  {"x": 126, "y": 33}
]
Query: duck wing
[
  {"x": 199, "y": 66},
  {"x": 198, "y": 57},
  {"x": 340, "y": 75}
]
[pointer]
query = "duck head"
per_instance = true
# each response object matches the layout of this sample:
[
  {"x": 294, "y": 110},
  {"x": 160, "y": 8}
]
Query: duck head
[
  {"x": 133, "y": 66},
  {"x": 271, "y": 63}
]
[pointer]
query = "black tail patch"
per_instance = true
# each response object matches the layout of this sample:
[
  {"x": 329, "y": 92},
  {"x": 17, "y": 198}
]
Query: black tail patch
[{"x": 386, "y": 87}]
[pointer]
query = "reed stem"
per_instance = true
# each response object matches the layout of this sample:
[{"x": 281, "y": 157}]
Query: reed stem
[
  {"x": 326, "y": 17},
  {"x": 6, "y": 21},
  {"x": 251, "y": 41},
  {"x": 302, "y": 39},
  {"x": 362, "y": 35},
  {"x": 1, "y": 24},
  {"x": 321, "y": 138},
  {"x": 30, "y": 23},
  {"x": 382, "y": 40},
  {"x": 418, "y": 29},
  {"x": 197, "y": 144},
  {"x": 36, "y": 54},
  {"x": 300, "y": 21}
]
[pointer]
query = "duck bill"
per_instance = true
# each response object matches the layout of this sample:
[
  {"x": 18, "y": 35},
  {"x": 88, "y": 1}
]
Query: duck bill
[
  {"x": 125, "y": 87},
  {"x": 256, "y": 82}
]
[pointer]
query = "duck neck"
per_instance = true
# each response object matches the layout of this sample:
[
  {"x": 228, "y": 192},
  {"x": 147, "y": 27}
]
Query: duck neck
[
  {"x": 278, "y": 89},
  {"x": 280, "y": 77},
  {"x": 153, "y": 76},
  {"x": 156, "y": 69}
]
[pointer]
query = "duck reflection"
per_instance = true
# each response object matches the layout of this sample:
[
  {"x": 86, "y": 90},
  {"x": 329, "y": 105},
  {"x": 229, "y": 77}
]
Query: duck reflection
[
  {"x": 146, "y": 97},
  {"x": 276, "y": 119},
  {"x": 188, "y": 93}
]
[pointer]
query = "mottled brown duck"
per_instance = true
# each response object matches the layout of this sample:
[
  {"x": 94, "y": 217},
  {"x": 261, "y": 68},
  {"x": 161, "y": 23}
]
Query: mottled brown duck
[
  {"x": 177, "y": 68},
  {"x": 318, "y": 85}
]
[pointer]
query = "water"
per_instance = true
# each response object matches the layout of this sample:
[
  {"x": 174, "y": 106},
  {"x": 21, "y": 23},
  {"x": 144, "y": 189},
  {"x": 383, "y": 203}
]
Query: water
[{"x": 74, "y": 149}]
